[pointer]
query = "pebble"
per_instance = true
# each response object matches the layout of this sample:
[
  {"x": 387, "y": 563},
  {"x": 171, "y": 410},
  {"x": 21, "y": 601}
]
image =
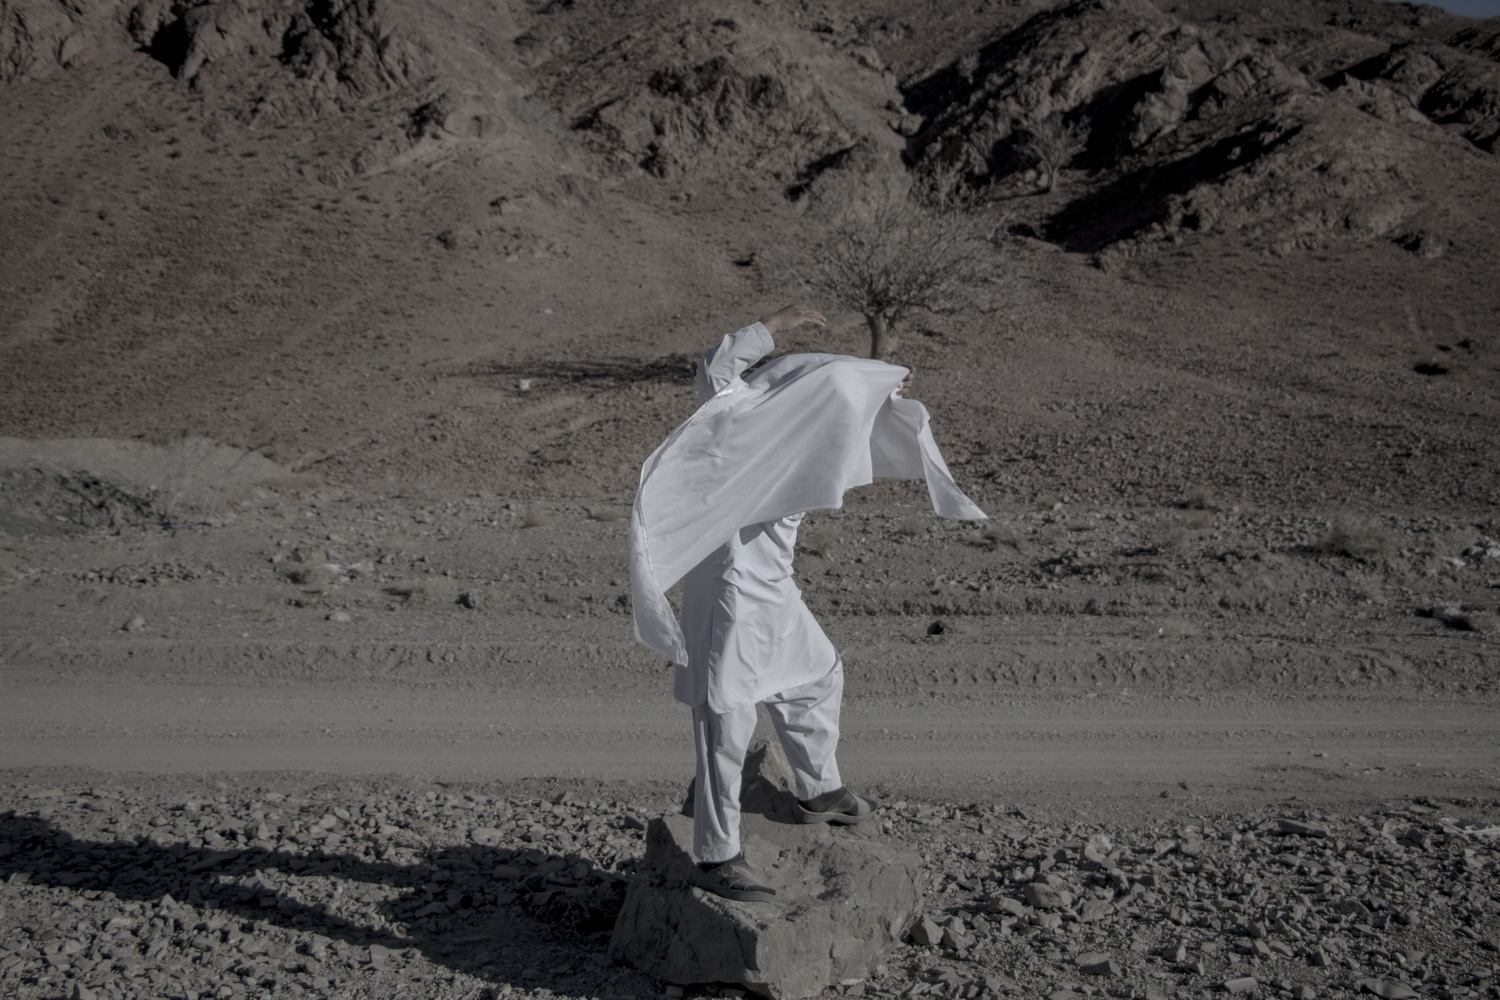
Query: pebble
[
  {"x": 926, "y": 932},
  {"x": 1005, "y": 905},
  {"x": 135, "y": 624},
  {"x": 338, "y": 616},
  {"x": 1301, "y": 829},
  {"x": 1096, "y": 850},
  {"x": 1047, "y": 897},
  {"x": 1095, "y": 909},
  {"x": 1098, "y": 964},
  {"x": 1243, "y": 984}
]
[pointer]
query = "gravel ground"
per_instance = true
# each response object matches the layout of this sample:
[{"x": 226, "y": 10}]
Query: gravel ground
[{"x": 282, "y": 886}]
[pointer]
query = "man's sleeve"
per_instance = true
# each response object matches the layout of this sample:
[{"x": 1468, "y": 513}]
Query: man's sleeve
[{"x": 736, "y": 352}]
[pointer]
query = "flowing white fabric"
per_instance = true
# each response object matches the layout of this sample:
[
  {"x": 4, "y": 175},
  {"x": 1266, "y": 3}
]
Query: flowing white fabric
[{"x": 793, "y": 437}]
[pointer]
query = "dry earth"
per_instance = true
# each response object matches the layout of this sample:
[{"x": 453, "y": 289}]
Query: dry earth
[{"x": 332, "y": 337}]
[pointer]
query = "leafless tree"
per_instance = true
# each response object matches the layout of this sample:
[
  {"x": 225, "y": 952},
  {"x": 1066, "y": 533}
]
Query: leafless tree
[
  {"x": 886, "y": 250},
  {"x": 1055, "y": 143}
]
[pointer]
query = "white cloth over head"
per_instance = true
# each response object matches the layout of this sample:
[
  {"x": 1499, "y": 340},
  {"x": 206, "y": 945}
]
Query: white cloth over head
[{"x": 790, "y": 438}]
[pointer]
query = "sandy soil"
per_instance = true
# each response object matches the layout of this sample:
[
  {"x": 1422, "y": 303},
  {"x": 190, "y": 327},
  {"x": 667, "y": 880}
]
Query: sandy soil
[{"x": 1116, "y": 669}]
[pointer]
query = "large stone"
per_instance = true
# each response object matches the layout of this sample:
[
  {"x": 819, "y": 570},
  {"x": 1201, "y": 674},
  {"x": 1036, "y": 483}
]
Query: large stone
[
  {"x": 842, "y": 899},
  {"x": 1298, "y": 828},
  {"x": 926, "y": 932},
  {"x": 1047, "y": 897}
]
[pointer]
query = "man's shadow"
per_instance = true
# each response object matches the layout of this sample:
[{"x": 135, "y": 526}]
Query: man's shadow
[{"x": 517, "y": 903}]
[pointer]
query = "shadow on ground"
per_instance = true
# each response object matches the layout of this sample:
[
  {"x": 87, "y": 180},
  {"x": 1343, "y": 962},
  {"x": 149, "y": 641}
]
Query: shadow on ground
[
  {"x": 500, "y": 931},
  {"x": 600, "y": 374}
]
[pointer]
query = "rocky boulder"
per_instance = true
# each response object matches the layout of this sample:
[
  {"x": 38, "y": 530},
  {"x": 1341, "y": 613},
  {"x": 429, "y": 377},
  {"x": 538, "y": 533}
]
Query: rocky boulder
[{"x": 842, "y": 900}]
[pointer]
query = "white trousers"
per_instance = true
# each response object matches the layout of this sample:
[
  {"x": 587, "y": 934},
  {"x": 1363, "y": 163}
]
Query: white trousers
[{"x": 806, "y": 720}]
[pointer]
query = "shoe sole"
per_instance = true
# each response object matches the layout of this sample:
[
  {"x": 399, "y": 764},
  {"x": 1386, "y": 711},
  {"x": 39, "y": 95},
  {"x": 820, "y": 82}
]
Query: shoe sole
[
  {"x": 738, "y": 895},
  {"x": 837, "y": 818},
  {"x": 741, "y": 896}
]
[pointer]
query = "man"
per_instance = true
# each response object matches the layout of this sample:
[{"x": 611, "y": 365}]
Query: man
[{"x": 718, "y": 507}]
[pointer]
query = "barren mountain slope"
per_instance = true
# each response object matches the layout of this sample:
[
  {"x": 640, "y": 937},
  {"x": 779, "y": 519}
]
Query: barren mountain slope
[{"x": 343, "y": 236}]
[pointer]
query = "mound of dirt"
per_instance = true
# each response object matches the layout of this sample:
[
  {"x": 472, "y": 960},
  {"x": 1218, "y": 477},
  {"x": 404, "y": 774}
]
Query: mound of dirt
[
  {"x": 39, "y": 503},
  {"x": 60, "y": 487}
]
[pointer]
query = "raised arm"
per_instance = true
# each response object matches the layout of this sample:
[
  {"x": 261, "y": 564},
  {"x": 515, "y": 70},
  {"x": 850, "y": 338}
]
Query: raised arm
[
  {"x": 736, "y": 352},
  {"x": 742, "y": 348}
]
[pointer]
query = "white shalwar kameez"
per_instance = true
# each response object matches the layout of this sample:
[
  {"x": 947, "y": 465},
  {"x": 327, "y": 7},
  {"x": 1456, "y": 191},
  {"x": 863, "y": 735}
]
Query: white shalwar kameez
[{"x": 719, "y": 506}]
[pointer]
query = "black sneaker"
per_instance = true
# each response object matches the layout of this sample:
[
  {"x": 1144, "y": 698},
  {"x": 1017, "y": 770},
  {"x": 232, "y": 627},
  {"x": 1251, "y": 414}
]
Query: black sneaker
[
  {"x": 841, "y": 807},
  {"x": 732, "y": 880}
]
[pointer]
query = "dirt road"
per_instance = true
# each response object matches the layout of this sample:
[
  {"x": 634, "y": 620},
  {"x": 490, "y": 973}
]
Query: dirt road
[{"x": 612, "y": 725}]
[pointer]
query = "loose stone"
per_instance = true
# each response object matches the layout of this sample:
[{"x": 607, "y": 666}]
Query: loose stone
[
  {"x": 926, "y": 932},
  {"x": 1301, "y": 829},
  {"x": 1047, "y": 897}
]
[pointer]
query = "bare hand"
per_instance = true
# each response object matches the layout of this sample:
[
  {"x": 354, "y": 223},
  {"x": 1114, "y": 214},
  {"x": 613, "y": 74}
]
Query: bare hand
[
  {"x": 911, "y": 375},
  {"x": 792, "y": 317}
]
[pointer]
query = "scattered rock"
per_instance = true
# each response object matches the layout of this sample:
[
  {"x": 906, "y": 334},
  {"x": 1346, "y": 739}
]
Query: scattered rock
[
  {"x": 135, "y": 624},
  {"x": 338, "y": 616},
  {"x": 561, "y": 861}
]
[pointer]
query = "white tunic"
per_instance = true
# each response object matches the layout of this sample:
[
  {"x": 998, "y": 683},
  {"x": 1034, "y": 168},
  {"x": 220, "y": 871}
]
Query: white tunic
[
  {"x": 720, "y": 500},
  {"x": 748, "y": 632}
]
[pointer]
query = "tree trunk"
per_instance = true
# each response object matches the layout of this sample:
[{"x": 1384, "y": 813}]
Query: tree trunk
[{"x": 882, "y": 343}]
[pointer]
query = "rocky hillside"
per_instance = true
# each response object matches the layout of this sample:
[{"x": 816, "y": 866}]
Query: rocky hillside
[{"x": 420, "y": 246}]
